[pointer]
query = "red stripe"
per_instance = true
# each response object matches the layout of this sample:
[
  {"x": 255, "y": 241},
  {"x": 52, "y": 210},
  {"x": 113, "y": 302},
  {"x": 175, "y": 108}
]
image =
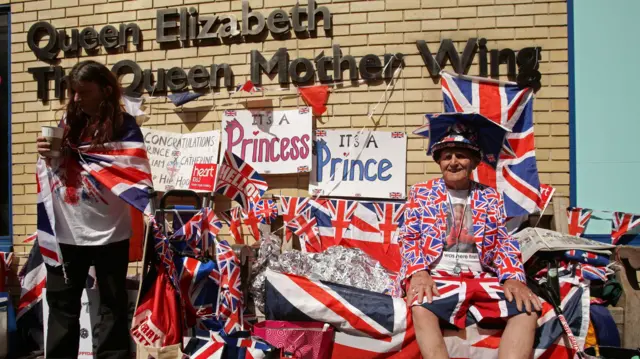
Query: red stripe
[
  {"x": 49, "y": 253},
  {"x": 133, "y": 152},
  {"x": 337, "y": 307},
  {"x": 519, "y": 187},
  {"x": 523, "y": 145},
  {"x": 31, "y": 296},
  {"x": 445, "y": 84},
  {"x": 490, "y": 101},
  {"x": 114, "y": 175},
  {"x": 515, "y": 104}
]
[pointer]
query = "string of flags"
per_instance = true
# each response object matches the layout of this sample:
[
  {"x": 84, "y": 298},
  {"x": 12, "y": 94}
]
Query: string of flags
[{"x": 621, "y": 223}]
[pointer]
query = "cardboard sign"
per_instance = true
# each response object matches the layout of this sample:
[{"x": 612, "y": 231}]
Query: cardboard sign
[
  {"x": 350, "y": 163},
  {"x": 173, "y": 156},
  {"x": 270, "y": 141},
  {"x": 203, "y": 177},
  {"x": 90, "y": 320}
]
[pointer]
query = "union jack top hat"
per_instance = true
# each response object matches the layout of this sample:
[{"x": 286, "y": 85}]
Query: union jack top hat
[
  {"x": 459, "y": 135},
  {"x": 463, "y": 130}
]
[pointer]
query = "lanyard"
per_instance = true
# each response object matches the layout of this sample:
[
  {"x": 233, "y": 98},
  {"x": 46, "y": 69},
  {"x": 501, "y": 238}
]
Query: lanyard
[{"x": 457, "y": 269}]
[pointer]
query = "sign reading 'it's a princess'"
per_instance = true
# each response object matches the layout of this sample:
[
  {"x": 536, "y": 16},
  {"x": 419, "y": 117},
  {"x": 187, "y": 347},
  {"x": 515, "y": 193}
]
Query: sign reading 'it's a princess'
[{"x": 270, "y": 141}]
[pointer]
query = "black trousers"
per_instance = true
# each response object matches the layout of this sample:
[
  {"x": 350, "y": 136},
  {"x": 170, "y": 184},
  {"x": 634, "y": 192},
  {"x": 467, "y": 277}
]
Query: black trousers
[{"x": 64, "y": 300}]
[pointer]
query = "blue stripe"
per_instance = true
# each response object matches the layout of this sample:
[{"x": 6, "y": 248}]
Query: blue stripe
[
  {"x": 376, "y": 306},
  {"x": 277, "y": 307},
  {"x": 43, "y": 223}
]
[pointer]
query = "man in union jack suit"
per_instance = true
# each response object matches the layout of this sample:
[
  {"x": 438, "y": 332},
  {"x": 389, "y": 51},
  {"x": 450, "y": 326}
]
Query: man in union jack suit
[{"x": 459, "y": 264}]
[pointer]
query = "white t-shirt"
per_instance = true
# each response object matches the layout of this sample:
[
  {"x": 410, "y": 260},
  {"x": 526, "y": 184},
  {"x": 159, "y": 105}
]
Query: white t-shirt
[
  {"x": 463, "y": 251},
  {"x": 86, "y": 213}
]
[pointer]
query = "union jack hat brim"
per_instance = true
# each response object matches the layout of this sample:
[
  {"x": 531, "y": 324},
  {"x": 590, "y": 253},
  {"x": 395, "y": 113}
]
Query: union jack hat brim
[{"x": 464, "y": 130}]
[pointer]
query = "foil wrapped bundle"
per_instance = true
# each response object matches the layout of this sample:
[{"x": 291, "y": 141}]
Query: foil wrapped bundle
[
  {"x": 348, "y": 266},
  {"x": 270, "y": 249}
]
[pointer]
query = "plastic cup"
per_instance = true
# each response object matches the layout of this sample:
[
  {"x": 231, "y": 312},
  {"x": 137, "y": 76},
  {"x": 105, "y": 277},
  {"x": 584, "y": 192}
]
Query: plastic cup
[{"x": 53, "y": 135}]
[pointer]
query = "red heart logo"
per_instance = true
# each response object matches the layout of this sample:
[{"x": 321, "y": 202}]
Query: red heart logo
[
  {"x": 346, "y": 154},
  {"x": 255, "y": 133}
]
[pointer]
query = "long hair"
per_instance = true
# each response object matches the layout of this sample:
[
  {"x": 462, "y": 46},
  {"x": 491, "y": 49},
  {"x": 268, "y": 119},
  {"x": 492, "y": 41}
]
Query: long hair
[{"x": 109, "y": 119}]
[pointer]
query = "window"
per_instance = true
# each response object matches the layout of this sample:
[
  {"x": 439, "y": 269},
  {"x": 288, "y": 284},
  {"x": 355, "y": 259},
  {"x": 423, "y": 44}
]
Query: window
[{"x": 5, "y": 131}]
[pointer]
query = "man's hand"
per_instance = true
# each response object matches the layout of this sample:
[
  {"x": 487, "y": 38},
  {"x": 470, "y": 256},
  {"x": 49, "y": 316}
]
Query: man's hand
[
  {"x": 514, "y": 289},
  {"x": 421, "y": 285}
]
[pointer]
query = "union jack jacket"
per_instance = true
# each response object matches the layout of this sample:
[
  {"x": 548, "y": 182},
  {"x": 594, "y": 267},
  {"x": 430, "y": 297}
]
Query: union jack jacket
[{"x": 425, "y": 227}]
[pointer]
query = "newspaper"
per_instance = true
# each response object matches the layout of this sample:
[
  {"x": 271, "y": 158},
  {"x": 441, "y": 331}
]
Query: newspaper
[{"x": 533, "y": 240}]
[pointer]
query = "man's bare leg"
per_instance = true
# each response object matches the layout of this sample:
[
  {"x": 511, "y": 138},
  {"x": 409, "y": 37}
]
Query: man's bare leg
[
  {"x": 517, "y": 338},
  {"x": 428, "y": 334}
]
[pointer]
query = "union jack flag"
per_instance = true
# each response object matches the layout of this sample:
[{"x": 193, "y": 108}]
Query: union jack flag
[
  {"x": 516, "y": 175},
  {"x": 397, "y": 134},
  {"x": 121, "y": 166},
  {"x": 373, "y": 325},
  {"x": 305, "y": 225},
  {"x": 621, "y": 224},
  {"x": 321, "y": 133},
  {"x": 217, "y": 345},
  {"x": 199, "y": 284},
  {"x": 198, "y": 235},
  {"x": 333, "y": 219},
  {"x": 302, "y": 110},
  {"x": 289, "y": 208},
  {"x": 303, "y": 169},
  {"x": 239, "y": 181},
  {"x": 230, "y": 298},
  {"x": 233, "y": 218},
  {"x": 230, "y": 113},
  {"x": 164, "y": 253},
  {"x": 395, "y": 195},
  {"x": 578, "y": 219}
]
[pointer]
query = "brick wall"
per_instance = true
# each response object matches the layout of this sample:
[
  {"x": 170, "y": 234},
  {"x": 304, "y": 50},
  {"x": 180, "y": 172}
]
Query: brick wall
[{"x": 360, "y": 27}]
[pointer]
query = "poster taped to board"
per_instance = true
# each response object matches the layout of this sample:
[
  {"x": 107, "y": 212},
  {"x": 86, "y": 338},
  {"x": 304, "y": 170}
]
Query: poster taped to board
[
  {"x": 270, "y": 141},
  {"x": 351, "y": 163},
  {"x": 173, "y": 155}
]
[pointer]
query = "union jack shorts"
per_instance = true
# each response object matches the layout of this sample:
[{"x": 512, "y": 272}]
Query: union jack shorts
[{"x": 469, "y": 298}]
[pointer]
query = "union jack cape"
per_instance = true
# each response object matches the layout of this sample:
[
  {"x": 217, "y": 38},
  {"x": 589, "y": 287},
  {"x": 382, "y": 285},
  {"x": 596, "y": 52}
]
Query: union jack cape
[
  {"x": 375, "y": 326},
  {"x": 121, "y": 166},
  {"x": 621, "y": 224},
  {"x": 516, "y": 175},
  {"x": 578, "y": 219}
]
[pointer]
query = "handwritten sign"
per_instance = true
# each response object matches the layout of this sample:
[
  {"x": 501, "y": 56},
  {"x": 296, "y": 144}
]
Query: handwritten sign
[
  {"x": 270, "y": 141},
  {"x": 174, "y": 155},
  {"x": 359, "y": 164}
]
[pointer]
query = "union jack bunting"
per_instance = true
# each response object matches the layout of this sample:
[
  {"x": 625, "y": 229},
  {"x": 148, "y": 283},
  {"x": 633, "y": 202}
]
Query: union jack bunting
[
  {"x": 289, "y": 208},
  {"x": 121, "y": 166},
  {"x": 516, "y": 175},
  {"x": 164, "y": 253},
  {"x": 247, "y": 87},
  {"x": 198, "y": 235},
  {"x": 233, "y": 217},
  {"x": 622, "y": 223},
  {"x": 239, "y": 181},
  {"x": 230, "y": 297},
  {"x": 374, "y": 325},
  {"x": 31, "y": 238},
  {"x": 578, "y": 219},
  {"x": 264, "y": 211}
]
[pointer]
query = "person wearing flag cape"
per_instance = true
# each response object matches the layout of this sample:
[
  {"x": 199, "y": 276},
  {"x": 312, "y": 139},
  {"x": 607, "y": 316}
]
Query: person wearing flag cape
[
  {"x": 82, "y": 219},
  {"x": 459, "y": 264}
]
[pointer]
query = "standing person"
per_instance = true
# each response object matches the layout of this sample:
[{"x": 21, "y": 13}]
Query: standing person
[
  {"x": 459, "y": 264},
  {"x": 92, "y": 225}
]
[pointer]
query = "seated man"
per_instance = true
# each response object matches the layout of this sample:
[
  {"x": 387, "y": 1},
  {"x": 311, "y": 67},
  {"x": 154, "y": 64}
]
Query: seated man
[{"x": 457, "y": 256}]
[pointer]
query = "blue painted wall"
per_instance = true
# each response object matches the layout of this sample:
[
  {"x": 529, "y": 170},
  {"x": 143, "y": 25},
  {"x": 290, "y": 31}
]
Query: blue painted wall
[{"x": 605, "y": 125}]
